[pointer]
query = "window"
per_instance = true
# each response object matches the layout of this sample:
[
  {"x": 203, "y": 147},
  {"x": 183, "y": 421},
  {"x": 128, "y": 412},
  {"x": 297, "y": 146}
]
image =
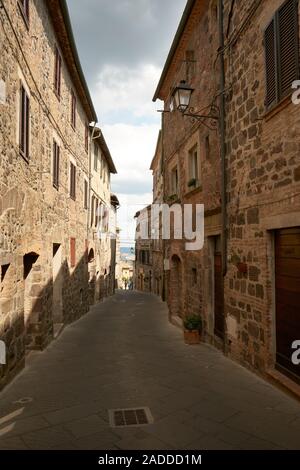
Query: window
[
  {"x": 57, "y": 73},
  {"x": 73, "y": 109},
  {"x": 193, "y": 164},
  {"x": 72, "y": 181},
  {"x": 56, "y": 155},
  {"x": 24, "y": 7},
  {"x": 73, "y": 252},
  {"x": 96, "y": 154},
  {"x": 86, "y": 192},
  {"x": 24, "y": 123},
  {"x": 190, "y": 65},
  {"x": 281, "y": 52},
  {"x": 174, "y": 181},
  {"x": 87, "y": 133},
  {"x": 207, "y": 147}
]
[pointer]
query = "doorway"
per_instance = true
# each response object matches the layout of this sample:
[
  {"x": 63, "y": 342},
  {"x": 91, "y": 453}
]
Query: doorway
[
  {"x": 176, "y": 288},
  {"x": 219, "y": 318},
  {"x": 57, "y": 302},
  {"x": 287, "y": 298}
]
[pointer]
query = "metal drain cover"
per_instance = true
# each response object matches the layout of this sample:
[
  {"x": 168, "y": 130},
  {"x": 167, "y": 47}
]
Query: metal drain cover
[{"x": 130, "y": 417}]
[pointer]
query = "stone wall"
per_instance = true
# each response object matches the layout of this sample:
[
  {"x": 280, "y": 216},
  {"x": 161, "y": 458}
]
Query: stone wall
[{"x": 36, "y": 219}]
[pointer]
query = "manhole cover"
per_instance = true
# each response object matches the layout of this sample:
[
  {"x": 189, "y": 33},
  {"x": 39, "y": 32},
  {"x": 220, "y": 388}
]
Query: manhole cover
[{"x": 130, "y": 417}]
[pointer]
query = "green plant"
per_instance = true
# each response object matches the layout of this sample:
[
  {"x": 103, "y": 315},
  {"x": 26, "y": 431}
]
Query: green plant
[
  {"x": 192, "y": 182},
  {"x": 172, "y": 197},
  {"x": 193, "y": 322}
]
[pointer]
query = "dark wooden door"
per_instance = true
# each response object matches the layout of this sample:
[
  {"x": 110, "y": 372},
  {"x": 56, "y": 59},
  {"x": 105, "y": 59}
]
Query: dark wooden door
[
  {"x": 287, "y": 275},
  {"x": 218, "y": 295}
]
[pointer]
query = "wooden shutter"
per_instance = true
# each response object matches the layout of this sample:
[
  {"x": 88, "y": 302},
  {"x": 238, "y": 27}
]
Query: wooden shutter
[
  {"x": 73, "y": 252},
  {"x": 288, "y": 48},
  {"x": 271, "y": 68}
]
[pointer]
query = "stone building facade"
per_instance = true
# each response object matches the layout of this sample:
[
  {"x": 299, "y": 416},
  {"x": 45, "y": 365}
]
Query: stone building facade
[
  {"x": 46, "y": 146},
  {"x": 156, "y": 167},
  {"x": 245, "y": 281},
  {"x": 143, "y": 251}
]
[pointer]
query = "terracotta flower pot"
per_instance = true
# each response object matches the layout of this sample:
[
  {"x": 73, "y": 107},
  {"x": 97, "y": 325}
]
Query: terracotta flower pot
[{"x": 191, "y": 337}]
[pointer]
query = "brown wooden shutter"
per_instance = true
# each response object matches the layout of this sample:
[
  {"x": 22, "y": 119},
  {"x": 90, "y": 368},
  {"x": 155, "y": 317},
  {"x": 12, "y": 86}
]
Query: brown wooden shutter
[
  {"x": 73, "y": 252},
  {"x": 288, "y": 46},
  {"x": 271, "y": 69}
]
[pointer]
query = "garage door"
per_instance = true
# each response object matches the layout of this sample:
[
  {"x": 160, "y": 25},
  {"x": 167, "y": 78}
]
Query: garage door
[{"x": 287, "y": 271}]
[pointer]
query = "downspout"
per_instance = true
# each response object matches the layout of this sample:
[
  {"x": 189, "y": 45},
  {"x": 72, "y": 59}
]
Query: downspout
[
  {"x": 223, "y": 138},
  {"x": 90, "y": 181}
]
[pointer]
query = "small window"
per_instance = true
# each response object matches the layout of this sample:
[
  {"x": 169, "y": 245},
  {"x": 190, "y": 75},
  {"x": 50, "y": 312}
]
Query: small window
[
  {"x": 72, "y": 181},
  {"x": 87, "y": 133},
  {"x": 190, "y": 65},
  {"x": 56, "y": 158},
  {"x": 24, "y": 123},
  {"x": 73, "y": 252},
  {"x": 174, "y": 181},
  {"x": 73, "y": 109},
  {"x": 193, "y": 164},
  {"x": 207, "y": 147},
  {"x": 281, "y": 52},
  {"x": 86, "y": 192},
  {"x": 57, "y": 73},
  {"x": 24, "y": 7},
  {"x": 96, "y": 156}
]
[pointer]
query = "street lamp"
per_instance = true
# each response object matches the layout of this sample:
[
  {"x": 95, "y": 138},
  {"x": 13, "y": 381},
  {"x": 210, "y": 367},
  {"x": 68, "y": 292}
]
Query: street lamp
[
  {"x": 181, "y": 99},
  {"x": 182, "y": 96}
]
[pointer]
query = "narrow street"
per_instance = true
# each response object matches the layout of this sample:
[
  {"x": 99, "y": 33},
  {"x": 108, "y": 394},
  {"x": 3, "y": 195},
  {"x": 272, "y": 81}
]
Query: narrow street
[{"x": 125, "y": 354}]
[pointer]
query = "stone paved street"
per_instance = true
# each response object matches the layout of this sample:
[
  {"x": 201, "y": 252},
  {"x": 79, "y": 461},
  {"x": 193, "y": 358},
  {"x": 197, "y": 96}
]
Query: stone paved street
[{"x": 125, "y": 354}]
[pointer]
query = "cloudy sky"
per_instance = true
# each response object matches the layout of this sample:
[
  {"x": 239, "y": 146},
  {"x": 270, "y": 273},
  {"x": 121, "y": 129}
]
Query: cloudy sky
[{"x": 123, "y": 45}]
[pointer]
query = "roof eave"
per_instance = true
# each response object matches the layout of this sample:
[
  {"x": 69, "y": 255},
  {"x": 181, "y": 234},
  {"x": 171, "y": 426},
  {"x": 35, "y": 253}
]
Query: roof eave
[{"x": 186, "y": 14}]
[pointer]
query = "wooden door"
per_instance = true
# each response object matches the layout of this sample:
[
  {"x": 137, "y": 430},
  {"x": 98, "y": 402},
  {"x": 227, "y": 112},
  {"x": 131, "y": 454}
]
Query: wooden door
[
  {"x": 287, "y": 285},
  {"x": 218, "y": 291}
]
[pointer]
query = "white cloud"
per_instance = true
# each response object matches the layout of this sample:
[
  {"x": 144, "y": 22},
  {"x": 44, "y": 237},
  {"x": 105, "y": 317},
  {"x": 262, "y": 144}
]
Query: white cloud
[
  {"x": 132, "y": 148},
  {"x": 123, "y": 94}
]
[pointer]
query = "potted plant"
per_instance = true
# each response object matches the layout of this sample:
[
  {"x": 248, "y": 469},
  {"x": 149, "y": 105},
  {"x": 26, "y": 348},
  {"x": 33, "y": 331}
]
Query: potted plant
[{"x": 192, "y": 329}]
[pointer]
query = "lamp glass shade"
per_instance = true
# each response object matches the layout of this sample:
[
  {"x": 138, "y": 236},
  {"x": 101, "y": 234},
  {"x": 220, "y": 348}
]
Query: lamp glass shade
[{"x": 182, "y": 96}]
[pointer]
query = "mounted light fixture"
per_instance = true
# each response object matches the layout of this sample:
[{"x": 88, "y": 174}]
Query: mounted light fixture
[
  {"x": 181, "y": 99},
  {"x": 182, "y": 96}
]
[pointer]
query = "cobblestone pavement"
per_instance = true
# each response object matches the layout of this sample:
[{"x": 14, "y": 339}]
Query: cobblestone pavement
[{"x": 125, "y": 354}]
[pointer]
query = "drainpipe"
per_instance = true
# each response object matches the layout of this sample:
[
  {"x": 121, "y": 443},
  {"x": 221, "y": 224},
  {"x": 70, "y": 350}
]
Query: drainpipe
[
  {"x": 90, "y": 181},
  {"x": 222, "y": 138}
]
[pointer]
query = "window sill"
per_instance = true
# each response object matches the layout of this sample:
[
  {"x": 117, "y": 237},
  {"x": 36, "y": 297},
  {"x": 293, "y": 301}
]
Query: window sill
[
  {"x": 194, "y": 190},
  {"x": 276, "y": 108}
]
